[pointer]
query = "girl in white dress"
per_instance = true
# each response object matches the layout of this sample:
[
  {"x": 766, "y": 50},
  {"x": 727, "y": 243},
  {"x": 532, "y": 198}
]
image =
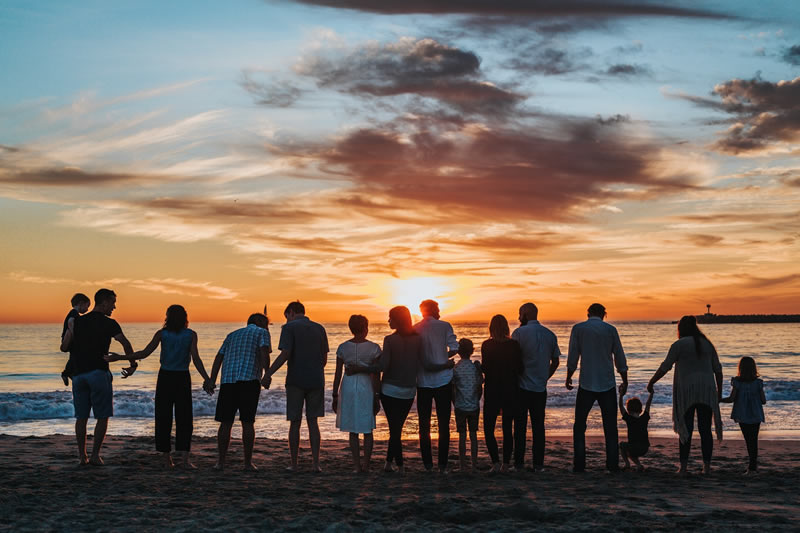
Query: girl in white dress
[{"x": 356, "y": 404}]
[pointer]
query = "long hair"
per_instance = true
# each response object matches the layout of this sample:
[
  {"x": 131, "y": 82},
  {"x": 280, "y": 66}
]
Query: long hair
[
  {"x": 176, "y": 319},
  {"x": 498, "y": 327},
  {"x": 687, "y": 327},
  {"x": 402, "y": 318},
  {"x": 748, "y": 371}
]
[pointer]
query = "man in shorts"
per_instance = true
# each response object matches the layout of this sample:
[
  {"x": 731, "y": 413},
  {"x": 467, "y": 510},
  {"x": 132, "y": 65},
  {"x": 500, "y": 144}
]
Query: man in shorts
[
  {"x": 243, "y": 357},
  {"x": 304, "y": 347},
  {"x": 88, "y": 342}
]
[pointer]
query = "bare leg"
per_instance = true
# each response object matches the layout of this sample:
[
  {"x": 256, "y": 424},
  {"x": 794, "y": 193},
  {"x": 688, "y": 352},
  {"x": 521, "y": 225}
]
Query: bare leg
[
  {"x": 186, "y": 463},
  {"x": 354, "y": 449},
  {"x": 248, "y": 440},
  {"x": 473, "y": 444},
  {"x": 100, "y": 428},
  {"x": 368, "y": 441},
  {"x": 639, "y": 466},
  {"x": 168, "y": 460},
  {"x": 80, "y": 437},
  {"x": 314, "y": 438},
  {"x": 462, "y": 450},
  {"x": 223, "y": 440},
  {"x": 294, "y": 441},
  {"x": 624, "y": 451}
]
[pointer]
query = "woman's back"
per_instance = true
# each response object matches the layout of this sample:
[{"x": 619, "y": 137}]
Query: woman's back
[
  {"x": 400, "y": 359},
  {"x": 175, "y": 349},
  {"x": 501, "y": 362},
  {"x": 684, "y": 355}
]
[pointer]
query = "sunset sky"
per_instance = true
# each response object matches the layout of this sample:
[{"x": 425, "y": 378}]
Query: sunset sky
[{"x": 360, "y": 154}]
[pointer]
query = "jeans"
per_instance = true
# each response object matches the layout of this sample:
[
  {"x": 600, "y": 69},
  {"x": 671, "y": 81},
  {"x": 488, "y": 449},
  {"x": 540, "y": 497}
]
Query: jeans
[
  {"x": 173, "y": 389},
  {"x": 396, "y": 410},
  {"x": 607, "y": 400},
  {"x": 750, "y": 432},
  {"x": 491, "y": 409},
  {"x": 425, "y": 397},
  {"x": 703, "y": 427},
  {"x": 533, "y": 404}
]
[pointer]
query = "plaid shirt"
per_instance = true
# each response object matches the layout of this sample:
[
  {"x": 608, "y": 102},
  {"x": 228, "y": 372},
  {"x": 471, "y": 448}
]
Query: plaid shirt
[{"x": 240, "y": 351}]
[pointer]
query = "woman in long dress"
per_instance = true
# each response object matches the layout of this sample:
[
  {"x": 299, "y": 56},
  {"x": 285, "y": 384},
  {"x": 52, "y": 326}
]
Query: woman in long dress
[
  {"x": 355, "y": 403},
  {"x": 696, "y": 388}
]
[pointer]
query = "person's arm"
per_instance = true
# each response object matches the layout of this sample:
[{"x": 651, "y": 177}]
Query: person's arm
[
  {"x": 665, "y": 367},
  {"x": 478, "y": 385},
  {"x": 554, "y": 359},
  {"x": 325, "y": 348},
  {"x": 649, "y": 402},
  {"x": 337, "y": 379},
  {"x": 732, "y": 397},
  {"x": 129, "y": 354},
  {"x": 142, "y": 354},
  {"x": 717, "y": 371},
  {"x": 622, "y": 410},
  {"x": 198, "y": 363},
  {"x": 452, "y": 342},
  {"x": 282, "y": 358},
  {"x": 573, "y": 356},
  {"x": 263, "y": 361},
  {"x": 66, "y": 341},
  {"x": 215, "y": 367},
  {"x": 620, "y": 361},
  {"x": 763, "y": 395}
]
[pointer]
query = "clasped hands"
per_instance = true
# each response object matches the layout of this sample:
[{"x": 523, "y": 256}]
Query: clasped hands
[{"x": 110, "y": 357}]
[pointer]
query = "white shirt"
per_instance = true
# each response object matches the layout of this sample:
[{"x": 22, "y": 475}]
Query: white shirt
[
  {"x": 438, "y": 339},
  {"x": 595, "y": 342},
  {"x": 539, "y": 346}
]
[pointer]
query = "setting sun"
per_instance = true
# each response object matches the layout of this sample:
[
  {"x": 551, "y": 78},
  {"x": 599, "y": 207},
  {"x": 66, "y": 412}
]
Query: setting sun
[{"x": 411, "y": 291}]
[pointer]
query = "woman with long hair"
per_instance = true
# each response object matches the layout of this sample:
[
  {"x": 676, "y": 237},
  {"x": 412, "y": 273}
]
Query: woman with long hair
[
  {"x": 501, "y": 362},
  {"x": 696, "y": 388},
  {"x": 174, "y": 385}
]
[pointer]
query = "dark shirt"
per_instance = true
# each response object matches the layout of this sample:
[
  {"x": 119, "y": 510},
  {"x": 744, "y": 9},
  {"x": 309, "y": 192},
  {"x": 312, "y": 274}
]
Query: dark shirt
[
  {"x": 92, "y": 339},
  {"x": 307, "y": 344},
  {"x": 637, "y": 429},
  {"x": 72, "y": 314},
  {"x": 501, "y": 362},
  {"x": 401, "y": 359}
]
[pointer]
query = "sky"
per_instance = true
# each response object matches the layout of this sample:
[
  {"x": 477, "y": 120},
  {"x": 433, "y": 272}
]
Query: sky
[{"x": 357, "y": 155}]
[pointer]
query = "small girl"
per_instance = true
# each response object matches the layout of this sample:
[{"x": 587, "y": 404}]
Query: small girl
[
  {"x": 747, "y": 396},
  {"x": 355, "y": 412}
]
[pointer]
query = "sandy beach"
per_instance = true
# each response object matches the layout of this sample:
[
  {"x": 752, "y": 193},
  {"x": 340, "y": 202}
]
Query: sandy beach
[{"x": 44, "y": 489}]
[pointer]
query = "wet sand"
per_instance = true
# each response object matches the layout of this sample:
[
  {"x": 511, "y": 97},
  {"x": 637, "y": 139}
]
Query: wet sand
[{"x": 43, "y": 488}]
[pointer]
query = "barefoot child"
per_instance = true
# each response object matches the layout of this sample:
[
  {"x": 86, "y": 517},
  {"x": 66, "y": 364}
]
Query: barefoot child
[
  {"x": 467, "y": 392},
  {"x": 748, "y": 398},
  {"x": 638, "y": 440},
  {"x": 356, "y": 410},
  {"x": 80, "y": 304}
]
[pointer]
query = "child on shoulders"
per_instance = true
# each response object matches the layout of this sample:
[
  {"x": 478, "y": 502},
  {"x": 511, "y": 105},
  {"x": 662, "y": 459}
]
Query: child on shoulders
[{"x": 638, "y": 440}]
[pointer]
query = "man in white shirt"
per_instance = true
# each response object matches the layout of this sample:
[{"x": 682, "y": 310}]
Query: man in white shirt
[
  {"x": 540, "y": 359},
  {"x": 439, "y": 343},
  {"x": 596, "y": 344}
]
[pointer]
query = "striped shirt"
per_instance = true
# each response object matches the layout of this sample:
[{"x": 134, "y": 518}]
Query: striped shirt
[{"x": 240, "y": 351}]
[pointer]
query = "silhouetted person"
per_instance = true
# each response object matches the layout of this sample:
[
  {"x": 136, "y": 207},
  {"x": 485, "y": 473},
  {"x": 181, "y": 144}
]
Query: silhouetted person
[
  {"x": 174, "y": 385},
  {"x": 696, "y": 387},
  {"x": 540, "y": 359},
  {"x": 438, "y": 344},
  {"x": 638, "y": 442},
  {"x": 597, "y": 346},
  {"x": 80, "y": 304},
  {"x": 467, "y": 392},
  {"x": 89, "y": 341},
  {"x": 243, "y": 358},
  {"x": 748, "y": 398},
  {"x": 304, "y": 347}
]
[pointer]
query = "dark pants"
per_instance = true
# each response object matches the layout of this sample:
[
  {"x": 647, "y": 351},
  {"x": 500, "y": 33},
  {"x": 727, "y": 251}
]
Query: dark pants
[
  {"x": 750, "y": 432},
  {"x": 607, "y": 400},
  {"x": 396, "y": 410},
  {"x": 533, "y": 404},
  {"x": 425, "y": 397},
  {"x": 491, "y": 409},
  {"x": 173, "y": 389},
  {"x": 703, "y": 427}
]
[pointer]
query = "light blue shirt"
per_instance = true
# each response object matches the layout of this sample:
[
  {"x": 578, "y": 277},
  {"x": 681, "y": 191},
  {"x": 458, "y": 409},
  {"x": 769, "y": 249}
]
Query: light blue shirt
[
  {"x": 175, "y": 349},
  {"x": 539, "y": 346},
  {"x": 438, "y": 339},
  {"x": 596, "y": 344},
  {"x": 240, "y": 351}
]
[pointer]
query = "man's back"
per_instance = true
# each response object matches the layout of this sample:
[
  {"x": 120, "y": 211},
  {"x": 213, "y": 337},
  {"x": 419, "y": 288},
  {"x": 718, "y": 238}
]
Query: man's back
[
  {"x": 438, "y": 339},
  {"x": 240, "y": 349},
  {"x": 539, "y": 346},
  {"x": 596, "y": 343},
  {"x": 92, "y": 339},
  {"x": 307, "y": 343}
]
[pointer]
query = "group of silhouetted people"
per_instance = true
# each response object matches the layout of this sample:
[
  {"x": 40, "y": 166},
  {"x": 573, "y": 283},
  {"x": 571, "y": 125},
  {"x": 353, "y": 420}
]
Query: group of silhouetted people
[{"x": 415, "y": 362}]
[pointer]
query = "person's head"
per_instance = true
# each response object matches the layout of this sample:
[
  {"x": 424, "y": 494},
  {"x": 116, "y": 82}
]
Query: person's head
[
  {"x": 293, "y": 310},
  {"x": 498, "y": 327},
  {"x": 400, "y": 320},
  {"x": 429, "y": 308},
  {"x": 687, "y": 327},
  {"x": 359, "y": 325},
  {"x": 748, "y": 370},
  {"x": 596, "y": 310},
  {"x": 105, "y": 301},
  {"x": 176, "y": 318},
  {"x": 634, "y": 406},
  {"x": 80, "y": 302},
  {"x": 527, "y": 312},
  {"x": 258, "y": 319},
  {"x": 465, "y": 348}
]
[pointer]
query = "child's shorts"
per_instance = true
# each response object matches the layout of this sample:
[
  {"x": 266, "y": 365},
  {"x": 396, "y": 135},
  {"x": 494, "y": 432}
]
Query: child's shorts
[
  {"x": 633, "y": 449},
  {"x": 467, "y": 418}
]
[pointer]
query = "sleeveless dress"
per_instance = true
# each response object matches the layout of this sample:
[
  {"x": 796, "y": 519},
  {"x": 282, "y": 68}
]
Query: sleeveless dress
[{"x": 356, "y": 396}]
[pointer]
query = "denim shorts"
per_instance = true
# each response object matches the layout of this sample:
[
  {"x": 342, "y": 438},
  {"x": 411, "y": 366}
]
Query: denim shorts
[{"x": 92, "y": 391}]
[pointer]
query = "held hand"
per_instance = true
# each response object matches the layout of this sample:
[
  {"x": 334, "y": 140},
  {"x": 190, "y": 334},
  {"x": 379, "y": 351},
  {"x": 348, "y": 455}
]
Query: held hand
[
  {"x": 450, "y": 363},
  {"x": 335, "y": 404},
  {"x": 650, "y": 388},
  {"x": 621, "y": 392},
  {"x": 266, "y": 381},
  {"x": 128, "y": 371},
  {"x": 568, "y": 384},
  {"x": 208, "y": 386},
  {"x": 623, "y": 388}
]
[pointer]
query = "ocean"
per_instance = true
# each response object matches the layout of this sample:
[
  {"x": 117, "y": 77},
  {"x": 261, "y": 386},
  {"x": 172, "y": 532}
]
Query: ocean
[{"x": 34, "y": 401}]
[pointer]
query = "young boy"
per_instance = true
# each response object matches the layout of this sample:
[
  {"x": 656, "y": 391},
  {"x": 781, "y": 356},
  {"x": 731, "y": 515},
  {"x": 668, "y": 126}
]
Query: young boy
[
  {"x": 467, "y": 390},
  {"x": 80, "y": 305},
  {"x": 638, "y": 441}
]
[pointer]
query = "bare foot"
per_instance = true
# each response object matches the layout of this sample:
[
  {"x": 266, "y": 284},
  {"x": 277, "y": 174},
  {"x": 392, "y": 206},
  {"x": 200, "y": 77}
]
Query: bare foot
[
  {"x": 444, "y": 470},
  {"x": 250, "y": 467},
  {"x": 96, "y": 461},
  {"x": 187, "y": 465},
  {"x": 682, "y": 471},
  {"x": 495, "y": 468},
  {"x": 168, "y": 461},
  {"x": 84, "y": 460},
  {"x": 316, "y": 469},
  {"x": 291, "y": 468},
  {"x": 387, "y": 467},
  {"x": 401, "y": 470},
  {"x": 219, "y": 467},
  {"x": 506, "y": 468},
  {"x": 706, "y": 468}
]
